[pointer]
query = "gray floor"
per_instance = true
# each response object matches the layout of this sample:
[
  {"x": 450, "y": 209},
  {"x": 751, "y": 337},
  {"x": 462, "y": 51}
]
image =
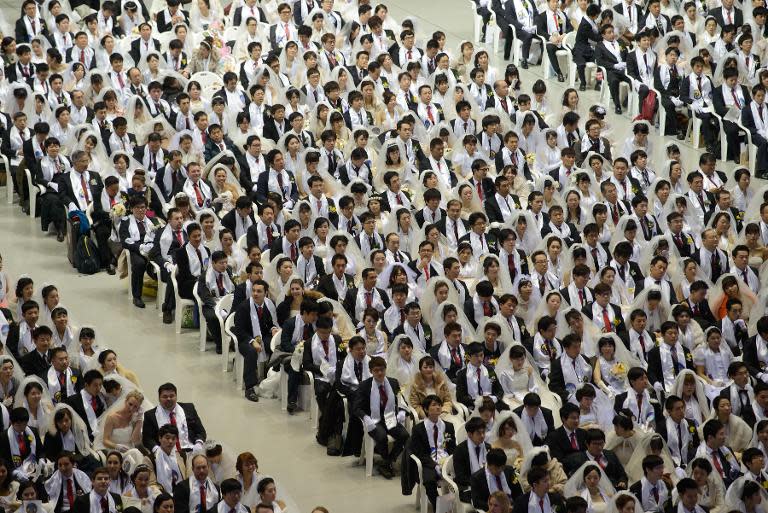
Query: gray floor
[{"x": 284, "y": 445}]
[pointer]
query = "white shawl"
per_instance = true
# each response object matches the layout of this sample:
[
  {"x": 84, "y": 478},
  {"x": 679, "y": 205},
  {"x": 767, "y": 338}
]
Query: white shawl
[
  {"x": 54, "y": 388},
  {"x": 166, "y": 467},
  {"x": 163, "y": 417},
  {"x": 348, "y": 376},
  {"x": 14, "y": 446},
  {"x": 195, "y": 266}
]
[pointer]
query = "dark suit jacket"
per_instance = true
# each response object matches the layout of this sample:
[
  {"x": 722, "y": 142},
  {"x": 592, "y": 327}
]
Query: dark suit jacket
[
  {"x": 655, "y": 371},
  {"x": 462, "y": 388},
  {"x": 229, "y": 221},
  {"x": 560, "y": 445},
  {"x": 243, "y": 329},
  {"x": 325, "y": 286},
  {"x": 83, "y": 503},
  {"x": 181, "y": 497},
  {"x": 419, "y": 443},
  {"x": 164, "y": 25},
  {"x": 453, "y": 369},
  {"x": 361, "y": 403},
  {"x": 492, "y": 208},
  {"x": 607, "y": 59},
  {"x": 586, "y": 37},
  {"x": 569, "y": 241},
  {"x": 23, "y": 35},
  {"x": 76, "y": 402},
  {"x": 308, "y": 363},
  {"x": 150, "y": 428},
  {"x": 661, "y": 428},
  {"x": 479, "y": 486},
  {"x": 240, "y": 294},
  {"x": 349, "y": 300},
  {"x": 521, "y": 503},
  {"x": 462, "y": 469},
  {"x": 719, "y": 102},
  {"x": 34, "y": 364},
  {"x": 67, "y": 195},
  {"x": 237, "y": 17},
  {"x": 717, "y": 13},
  {"x": 270, "y": 128},
  {"x": 587, "y": 310},
  {"x": 5, "y": 448},
  {"x": 556, "y": 379},
  {"x": 252, "y": 236},
  {"x": 184, "y": 277},
  {"x": 750, "y": 357},
  {"x": 135, "y": 52},
  {"x": 614, "y": 469},
  {"x": 419, "y": 215},
  {"x": 262, "y": 187},
  {"x": 640, "y": 285},
  {"x": 548, "y": 419}
]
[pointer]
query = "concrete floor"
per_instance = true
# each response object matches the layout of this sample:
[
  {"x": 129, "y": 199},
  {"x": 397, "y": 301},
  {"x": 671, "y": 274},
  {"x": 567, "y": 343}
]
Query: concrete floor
[{"x": 284, "y": 445}]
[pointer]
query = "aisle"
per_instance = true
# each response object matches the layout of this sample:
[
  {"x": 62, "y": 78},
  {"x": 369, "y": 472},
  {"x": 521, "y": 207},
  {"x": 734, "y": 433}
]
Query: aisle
[{"x": 284, "y": 445}]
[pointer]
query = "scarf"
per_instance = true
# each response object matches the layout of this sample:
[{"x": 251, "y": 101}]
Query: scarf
[
  {"x": 25, "y": 339},
  {"x": 92, "y": 420},
  {"x": 210, "y": 282},
  {"x": 195, "y": 266},
  {"x": 327, "y": 363},
  {"x": 55, "y": 484},
  {"x": 348, "y": 376},
  {"x": 361, "y": 304},
  {"x": 205, "y": 192},
  {"x": 163, "y": 417},
  {"x": 167, "y": 468},
  {"x": 54, "y": 387},
  {"x": 444, "y": 355},
  {"x": 241, "y": 225},
  {"x": 644, "y": 413},
  {"x": 255, "y": 325},
  {"x": 478, "y": 385},
  {"x": 13, "y": 442},
  {"x": 536, "y": 425},
  {"x": 95, "y": 502},
  {"x": 415, "y": 334},
  {"x": 133, "y": 231},
  {"x": 476, "y": 463},
  {"x": 477, "y": 305},
  {"x": 211, "y": 495}
]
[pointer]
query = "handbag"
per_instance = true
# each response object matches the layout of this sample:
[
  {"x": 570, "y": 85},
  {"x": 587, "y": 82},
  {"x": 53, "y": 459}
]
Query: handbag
[{"x": 647, "y": 108}]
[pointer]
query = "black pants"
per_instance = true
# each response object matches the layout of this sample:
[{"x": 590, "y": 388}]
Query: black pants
[
  {"x": 139, "y": 266},
  {"x": 614, "y": 79},
  {"x": 250, "y": 363},
  {"x": 733, "y": 140},
  {"x": 52, "y": 211},
  {"x": 761, "y": 158},
  {"x": 294, "y": 381},
  {"x": 330, "y": 408},
  {"x": 525, "y": 37},
  {"x": 552, "y": 52},
  {"x": 429, "y": 482},
  {"x": 710, "y": 127},
  {"x": 213, "y": 324},
  {"x": 169, "y": 302},
  {"x": 670, "y": 126},
  {"x": 101, "y": 232},
  {"x": 381, "y": 442}
]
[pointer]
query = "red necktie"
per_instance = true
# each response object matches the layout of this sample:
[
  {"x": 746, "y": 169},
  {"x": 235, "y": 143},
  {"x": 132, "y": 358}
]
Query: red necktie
[
  {"x": 85, "y": 189},
  {"x": 204, "y": 137},
  {"x": 541, "y": 505},
  {"x": 82, "y": 57},
  {"x": 203, "y": 499},
  {"x": 104, "y": 505},
  {"x": 179, "y": 238},
  {"x": 599, "y": 461},
  {"x": 294, "y": 256},
  {"x": 220, "y": 285},
  {"x": 325, "y": 347},
  {"x": 498, "y": 483},
  {"x": 641, "y": 339},
  {"x": 557, "y": 22},
  {"x": 34, "y": 26},
  {"x": 429, "y": 114},
  {"x": 581, "y": 296},
  {"x": 456, "y": 357},
  {"x": 426, "y": 273},
  {"x": 716, "y": 462},
  {"x": 22, "y": 444},
  {"x": 480, "y": 190},
  {"x": 70, "y": 494},
  {"x": 730, "y": 19},
  {"x": 368, "y": 299},
  {"x": 735, "y": 98},
  {"x": 409, "y": 54},
  {"x": 398, "y": 199},
  {"x": 269, "y": 235},
  {"x": 198, "y": 194},
  {"x": 120, "y": 79},
  {"x": 382, "y": 398},
  {"x": 486, "y": 309},
  {"x": 172, "y": 417},
  {"x": 574, "y": 443},
  {"x": 94, "y": 403},
  {"x": 510, "y": 264},
  {"x": 504, "y": 105},
  {"x": 112, "y": 202},
  {"x": 287, "y": 32},
  {"x": 606, "y": 320}
]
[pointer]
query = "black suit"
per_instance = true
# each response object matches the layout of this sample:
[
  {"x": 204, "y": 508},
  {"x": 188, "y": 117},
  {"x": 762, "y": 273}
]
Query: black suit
[
  {"x": 492, "y": 209},
  {"x": 67, "y": 194},
  {"x": 543, "y": 31},
  {"x": 737, "y": 18},
  {"x": 325, "y": 286},
  {"x": 685, "y": 245},
  {"x": 748, "y": 120},
  {"x": 587, "y": 310},
  {"x": 750, "y": 357},
  {"x": 583, "y": 50},
  {"x": 35, "y": 364},
  {"x": 613, "y": 467},
  {"x": 83, "y": 503},
  {"x": 22, "y": 33},
  {"x": 351, "y": 300},
  {"x": 420, "y": 447},
  {"x": 606, "y": 59},
  {"x": 166, "y": 25},
  {"x": 5, "y": 449},
  {"x": 77, "y": 404},
  {"x": 481, "y": 493},
  {"x": 229, "y": 221},
  {"x": 181, "y": 493},
  {"x": 671, "y": 90},
  {"x": 462, "y": 389},
  {"x": 462, "y": 469},
  {"x": 184, "y": 277},
  {"x": 655, "y": 370},
  {"x": 135, "y": 51},
  {"x": 520, "y": 504},
  {"x": 557, "y": 382},
  {"x": 548, "y": 419},
  {"x": 270, "y": 130},
  {"x": 452, "y": 371},
  {"x": 731, "y": 130},
  {"x": 361, "y": 407},
  {"x": 243, "y": 330},
  {"x": 522, "y": 35},
  {"x": 559, "y": 443},
  {"x": 150, "y": 428}
]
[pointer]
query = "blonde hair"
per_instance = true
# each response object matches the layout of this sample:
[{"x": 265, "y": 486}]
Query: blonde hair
[
  {"x": 136, "y": 395},
  {"x": 501, "y": 499}
]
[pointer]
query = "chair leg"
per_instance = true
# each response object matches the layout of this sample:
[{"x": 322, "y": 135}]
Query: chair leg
[
  {"x": 368, "y": 454},
  {"x": 283, "y": 390},
  {"x": 203, "y": 331},
  {"x": 179, "y": 314}
]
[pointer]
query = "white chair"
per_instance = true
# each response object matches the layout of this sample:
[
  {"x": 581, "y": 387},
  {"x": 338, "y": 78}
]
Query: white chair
[
  {"x": 422, "y": 501},
  {"x": 367, "y": 454},
  {"x": 8, "y": 179},
  {"x": 242, "y": 242},
  {"x": 477, "y": 21},
  {"x": 696, "y": 125},
  {"x": 314, "y": 410},
  {"x": 34, "y": 192},
  {"x": 222, "y": 311},
  {"x": 723, "y": 139},
  {"x": 160, "y": 286},
  {"x": 230, "y": 33},
  {"x": 130, "y": 274},
  {"x": 181, "y": 303},
  {"x": 517, "y": 47},
  {"x": 207, "y": 79},
  {"x": 238, "y": 365},
  {"x": 203, "y": 322},
  {"x": 605, "y": 91},
  {"x": 751, "y": 148},
  {"x": 448, "y": 475}
]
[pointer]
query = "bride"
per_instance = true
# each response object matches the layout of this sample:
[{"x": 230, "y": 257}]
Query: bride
[
  {"x": 591, "y": 484},
  {"x": 122, "y": 426}
]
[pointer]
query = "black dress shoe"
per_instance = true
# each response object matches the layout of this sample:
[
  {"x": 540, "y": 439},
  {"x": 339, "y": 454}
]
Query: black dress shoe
[
  {"x": 291, "y": 408},
  {"x": 167, "y": 318},
  {"x": 60, "y": 238},
  {"x": 681, "y": 136},
  {"x": 219, "y": 350},
  {"x": 524, "y": 63},
  {"x": 138, "y": 303},
  {"x": 582, "y": 87},
  {"x": 111, "y": 269},
  {"x": 597, "y": 86},
  {"x": 252, "y": 395},
  {"x": 385, "y": 469},
  {"x": 560, "y": 77},
  {"x": 618, "y": 110}
]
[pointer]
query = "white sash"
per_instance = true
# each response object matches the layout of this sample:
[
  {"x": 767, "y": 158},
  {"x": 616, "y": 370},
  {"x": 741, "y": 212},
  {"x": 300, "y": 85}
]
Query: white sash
[
  {"x": 167, "y": 468},
  {"x": 53, "y": 383},
  {"x": 14, "y": 446},
  {"x": 162, "y": 417},
  {"x": 348, "y": 376}
]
